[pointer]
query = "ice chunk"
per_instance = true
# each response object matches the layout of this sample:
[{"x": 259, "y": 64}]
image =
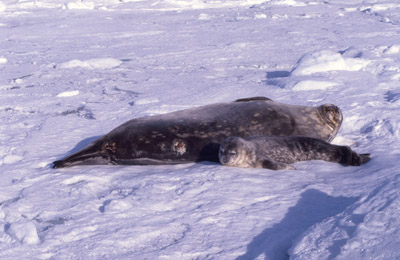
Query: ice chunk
[
  {"x": 2, "y": 7},
  {"x": 68, "y": 93},
  {"x": 320, "y": 61},
  {"x": 204, "y": 17},
  {"x": 394, "y": 49},
  {"x": 144, "y": 101},
  {"x": 2, "y": 213},
  {"x": 100, "y": 63},
  {"x": 25, "y": 232},
  {"x": 9, "y": 159},
  {"x": 324, "y": 61},
  {"x": 313, "y": 85},
  {"x": 80, "y": 5}
]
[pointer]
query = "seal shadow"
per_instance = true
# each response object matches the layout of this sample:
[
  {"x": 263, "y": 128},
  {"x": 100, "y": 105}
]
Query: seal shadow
[
  {"x": 82, "y": 144},
  {"x": 313, "y": 207}
]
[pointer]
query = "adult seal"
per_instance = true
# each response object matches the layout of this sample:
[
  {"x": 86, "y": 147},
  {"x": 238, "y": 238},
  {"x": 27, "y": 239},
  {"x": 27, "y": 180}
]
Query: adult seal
[
  {"x": 193, "y": 135},
  {"x": 277, "y": 152}
]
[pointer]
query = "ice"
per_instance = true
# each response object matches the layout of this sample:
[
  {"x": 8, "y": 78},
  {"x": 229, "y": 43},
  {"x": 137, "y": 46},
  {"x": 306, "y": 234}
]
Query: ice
[
  {"x": 288, "y": 2},
  {"x": 313, "y": 85},
  {"x": 260, "y": 16},
  {"x": 99, "y": 63},
  {"x": 325, "y": 61},
  {"x": 9, "y": 159},
  {"x": 2, "y": 214},
  {"x": 68, "y": 93},
  {"x": 71, "y": 71},
  {"x": 80, "y": 5},
  {"x": 25, "y": 232},
  {"x": 204, "y": 17},
  {"x": 378, "y": 7},
  {"x": 395, "y": 49},
  {"x": 2, "y": 7},
  {"x": 144, "y": 101},
  {"x": 198, "y": 4}
]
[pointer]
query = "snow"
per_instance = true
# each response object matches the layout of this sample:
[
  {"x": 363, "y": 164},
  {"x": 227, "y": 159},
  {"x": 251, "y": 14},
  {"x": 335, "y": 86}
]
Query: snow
[{"x": 72, "y": 71}]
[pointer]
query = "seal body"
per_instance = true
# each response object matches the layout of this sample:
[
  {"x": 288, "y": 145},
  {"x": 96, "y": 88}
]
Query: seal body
[
  {"x": 195, "y": 134},
  {"x": 277, "y": 153}
]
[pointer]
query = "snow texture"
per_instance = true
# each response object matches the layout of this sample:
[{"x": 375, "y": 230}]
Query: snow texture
[{"x": 73, "y": 70}]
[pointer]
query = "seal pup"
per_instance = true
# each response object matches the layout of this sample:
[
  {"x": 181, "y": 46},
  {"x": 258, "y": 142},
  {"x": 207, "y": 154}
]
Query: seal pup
[
  {"x": 277, "y": 153},
  {"x": 193, "y": 135}
]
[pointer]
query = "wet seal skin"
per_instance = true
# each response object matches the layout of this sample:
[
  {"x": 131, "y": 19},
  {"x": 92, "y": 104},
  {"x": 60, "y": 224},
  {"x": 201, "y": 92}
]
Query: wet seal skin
[
  {"x": 278, "y": 153},
  {"x": 195, "y": 134}
]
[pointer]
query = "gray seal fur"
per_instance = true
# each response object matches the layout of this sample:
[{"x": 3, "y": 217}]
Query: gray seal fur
[
  {"x": 193, "y": 135},
  {"x": 277, "y": 153}
]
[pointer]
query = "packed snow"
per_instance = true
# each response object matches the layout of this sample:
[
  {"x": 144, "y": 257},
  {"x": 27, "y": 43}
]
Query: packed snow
[{"x": 73, "y": 70}]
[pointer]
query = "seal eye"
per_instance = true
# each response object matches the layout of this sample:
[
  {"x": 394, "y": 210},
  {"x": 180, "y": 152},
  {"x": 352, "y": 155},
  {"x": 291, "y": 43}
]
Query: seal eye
[{"x": 232, "y": 153}]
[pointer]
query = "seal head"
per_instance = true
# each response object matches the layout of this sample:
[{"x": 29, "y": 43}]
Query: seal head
[
  {"x": 332, "y": 116},
  {"x": 237, "y": 152}
]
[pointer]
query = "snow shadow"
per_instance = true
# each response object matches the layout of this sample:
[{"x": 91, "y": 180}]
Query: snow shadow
[
  {"x": 277, "y": 78},
  {"x": 391, "y": 96},
  {"x": 278, "y": 74},
  {"x": 313, "y": 207}
]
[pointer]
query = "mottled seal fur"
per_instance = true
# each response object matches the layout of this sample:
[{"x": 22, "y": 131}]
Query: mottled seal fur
[
  {"x": 195, "y": 134},
  {"x": 277, "y": 152}
]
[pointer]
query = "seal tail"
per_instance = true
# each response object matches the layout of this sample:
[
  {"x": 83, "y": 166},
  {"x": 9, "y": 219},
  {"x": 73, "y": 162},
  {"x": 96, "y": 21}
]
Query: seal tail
[
  {"x": 88, "y": 156},
  {"x": 86, "y": 159}
]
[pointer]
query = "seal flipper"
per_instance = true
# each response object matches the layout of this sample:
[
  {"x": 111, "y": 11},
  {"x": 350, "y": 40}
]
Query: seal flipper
[
  {"x": 351, "y": 158},
  {"x": 365, "y": 157},
  {"x": 274, "y": 165},
  {"x": 252, "y": 99}
]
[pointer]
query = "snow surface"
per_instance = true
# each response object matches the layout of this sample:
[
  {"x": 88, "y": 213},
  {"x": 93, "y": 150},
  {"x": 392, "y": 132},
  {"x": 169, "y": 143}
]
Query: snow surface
[{"x": 73, "y": 70}]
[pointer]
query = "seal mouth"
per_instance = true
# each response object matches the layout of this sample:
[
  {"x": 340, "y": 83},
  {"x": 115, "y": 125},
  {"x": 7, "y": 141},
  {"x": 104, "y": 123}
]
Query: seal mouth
[{"x": 333, "y": 117}]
